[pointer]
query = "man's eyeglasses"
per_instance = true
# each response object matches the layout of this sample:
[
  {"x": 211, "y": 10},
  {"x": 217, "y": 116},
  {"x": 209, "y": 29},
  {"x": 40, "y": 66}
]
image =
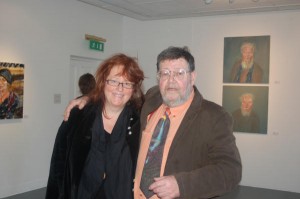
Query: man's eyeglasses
[
  {"x": 115, "y": 83},
  {"x": 165, "y": 74}
]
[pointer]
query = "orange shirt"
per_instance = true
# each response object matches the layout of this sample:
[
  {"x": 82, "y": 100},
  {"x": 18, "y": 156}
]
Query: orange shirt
[{"x": 176, "y": 116}]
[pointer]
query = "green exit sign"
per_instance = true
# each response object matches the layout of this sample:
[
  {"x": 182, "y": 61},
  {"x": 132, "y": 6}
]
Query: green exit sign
[{"x": 96, "y": 45}]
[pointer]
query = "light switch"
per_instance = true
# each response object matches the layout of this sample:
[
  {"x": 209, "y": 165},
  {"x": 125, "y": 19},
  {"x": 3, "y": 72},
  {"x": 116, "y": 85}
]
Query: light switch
[{"x": 57, "y": 98}]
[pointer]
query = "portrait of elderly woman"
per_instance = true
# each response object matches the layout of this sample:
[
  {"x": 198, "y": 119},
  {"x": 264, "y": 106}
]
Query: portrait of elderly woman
[
  {"x": 11, "y": 90},
  {"x": 246, "y": 60}
]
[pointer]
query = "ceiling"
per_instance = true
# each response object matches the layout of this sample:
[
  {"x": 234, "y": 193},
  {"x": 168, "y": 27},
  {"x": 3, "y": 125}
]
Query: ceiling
[{"x": 168, "y": 9}]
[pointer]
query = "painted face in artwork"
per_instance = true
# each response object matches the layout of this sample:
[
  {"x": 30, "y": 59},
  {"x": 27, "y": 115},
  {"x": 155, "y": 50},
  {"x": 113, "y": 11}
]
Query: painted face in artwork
[
  {"x": 247, "y": 104},
  {"x": 247, "y": 53},
  {"x": 3, "y": 84}
]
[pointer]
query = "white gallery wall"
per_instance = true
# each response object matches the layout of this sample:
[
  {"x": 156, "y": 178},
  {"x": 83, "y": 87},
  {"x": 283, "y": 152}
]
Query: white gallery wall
[
  {"x": 44, "y": 34},
  {"x": 271, "y": 160}
]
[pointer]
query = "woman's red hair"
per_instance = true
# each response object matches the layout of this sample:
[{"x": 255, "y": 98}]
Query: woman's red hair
[{"x": 131, "y": 71}]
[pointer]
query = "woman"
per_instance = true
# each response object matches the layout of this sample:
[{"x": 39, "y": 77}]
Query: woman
[
  {"x": 9, "y": 101},
  {"x": 95, "y": 151}
]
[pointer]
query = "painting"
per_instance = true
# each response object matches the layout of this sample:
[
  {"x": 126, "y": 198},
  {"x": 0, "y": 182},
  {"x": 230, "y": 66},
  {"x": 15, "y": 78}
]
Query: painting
[
  {"x": 11, "y": 90},
  {"x": 248, "y": 106},
  {"x": 246, "y": 59}
]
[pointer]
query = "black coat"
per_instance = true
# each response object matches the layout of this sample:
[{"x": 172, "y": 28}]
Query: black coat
[{"x": 82, "y": 156}]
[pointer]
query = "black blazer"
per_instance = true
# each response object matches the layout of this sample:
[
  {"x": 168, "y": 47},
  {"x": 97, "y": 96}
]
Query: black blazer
[{"x": 72, "y": 152}]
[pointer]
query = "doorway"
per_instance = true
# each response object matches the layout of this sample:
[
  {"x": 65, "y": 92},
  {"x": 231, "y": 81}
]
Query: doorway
[{"x": 79, "y": 66}]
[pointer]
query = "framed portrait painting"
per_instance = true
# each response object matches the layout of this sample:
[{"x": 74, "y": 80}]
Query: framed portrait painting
[
  {"x": 246, "y": 59},
  {"x": 248, "y": 106},
  {"x": 11, "y": 90}
]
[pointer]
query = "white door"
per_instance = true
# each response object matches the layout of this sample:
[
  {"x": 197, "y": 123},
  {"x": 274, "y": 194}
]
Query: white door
[{"x": 80, "y": 66}]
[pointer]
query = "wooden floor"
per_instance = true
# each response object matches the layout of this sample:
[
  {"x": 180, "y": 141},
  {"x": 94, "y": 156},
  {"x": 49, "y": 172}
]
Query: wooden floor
[{"x": 242, "y": 192}]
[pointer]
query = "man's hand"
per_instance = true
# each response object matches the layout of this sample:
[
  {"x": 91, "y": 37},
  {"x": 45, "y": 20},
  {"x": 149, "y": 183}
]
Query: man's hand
[
  {"x": 165, "y": 187},
  {"x": 80, "y": 102}
]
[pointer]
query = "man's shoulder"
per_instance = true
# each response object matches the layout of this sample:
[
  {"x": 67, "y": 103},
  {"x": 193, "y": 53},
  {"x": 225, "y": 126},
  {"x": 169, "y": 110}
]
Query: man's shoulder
[
  {"x": 153, "y": 91},
  {"x": 203, "y": 102},
  {"x": 153, "y": 100},
  {"x": 153, "y": 94},
  {"x": 213, "y": 108},
  {"x": 212, "y": 105}
]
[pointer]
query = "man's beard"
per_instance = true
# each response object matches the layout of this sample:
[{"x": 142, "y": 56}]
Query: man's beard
[
  {"x": 181, "y": 99},
  {"x": 247, "y": 65},
  {"x": 245, "y": 113}
]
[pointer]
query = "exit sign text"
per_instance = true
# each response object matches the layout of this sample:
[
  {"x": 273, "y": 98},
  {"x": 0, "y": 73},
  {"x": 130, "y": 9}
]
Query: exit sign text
[{"x": 96, "y": 45}]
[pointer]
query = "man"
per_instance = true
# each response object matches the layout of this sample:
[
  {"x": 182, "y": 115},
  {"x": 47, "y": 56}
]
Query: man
[
  {"x": 200, "y": 157},
  {"x": 246, "y": 70},
  {"x": 86, "y": 83},
  {"x": 245, "y": 118}
]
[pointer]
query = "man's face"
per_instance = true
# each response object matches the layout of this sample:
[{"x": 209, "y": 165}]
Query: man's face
[
  {"x": 176, "y": 88},
  {"x": 247, "y": 54},
  {"x": 247, "y": 104}
]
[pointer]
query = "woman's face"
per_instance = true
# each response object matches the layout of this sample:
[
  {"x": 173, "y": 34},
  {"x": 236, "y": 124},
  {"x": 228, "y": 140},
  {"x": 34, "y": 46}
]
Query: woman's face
[
  {"x": 3, "y": 84},
  {"x": 116, "y": 95}
]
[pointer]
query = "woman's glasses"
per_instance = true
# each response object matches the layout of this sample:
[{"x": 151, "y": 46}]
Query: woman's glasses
[{"x": 115, "y": 83}]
